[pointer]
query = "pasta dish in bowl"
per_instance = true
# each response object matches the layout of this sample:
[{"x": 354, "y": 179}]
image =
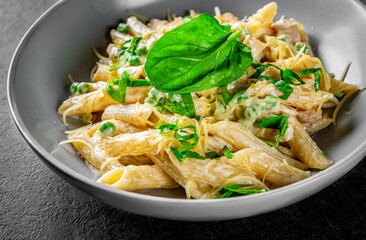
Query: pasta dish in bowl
[
  {"x": 202, "y": 115},
  {"x": 218, "y": 105}
]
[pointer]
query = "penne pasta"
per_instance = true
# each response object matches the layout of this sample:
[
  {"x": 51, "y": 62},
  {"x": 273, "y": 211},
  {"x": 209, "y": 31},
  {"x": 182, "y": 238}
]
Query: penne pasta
[{"x": 221, "y": 112}]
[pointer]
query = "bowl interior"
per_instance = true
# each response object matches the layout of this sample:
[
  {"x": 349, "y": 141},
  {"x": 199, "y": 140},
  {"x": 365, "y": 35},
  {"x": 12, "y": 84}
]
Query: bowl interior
[{"x": 60, "y": 44}]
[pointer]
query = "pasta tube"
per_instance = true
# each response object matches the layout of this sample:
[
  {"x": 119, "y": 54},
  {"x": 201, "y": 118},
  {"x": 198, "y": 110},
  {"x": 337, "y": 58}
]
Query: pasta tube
[{"x": 133, "y": 178}]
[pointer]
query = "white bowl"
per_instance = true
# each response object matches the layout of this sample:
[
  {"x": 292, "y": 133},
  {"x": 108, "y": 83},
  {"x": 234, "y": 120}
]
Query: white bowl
[{"x": 60, "y": 43}]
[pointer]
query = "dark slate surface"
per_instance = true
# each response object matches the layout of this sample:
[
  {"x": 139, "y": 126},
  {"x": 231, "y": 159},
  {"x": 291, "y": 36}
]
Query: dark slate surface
[{"x": 37, "y": 204}]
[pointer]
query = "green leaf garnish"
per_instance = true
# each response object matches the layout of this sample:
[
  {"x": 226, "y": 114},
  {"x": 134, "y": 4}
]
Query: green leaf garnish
[
  {"x": 198, "y": 55},
  {"x": 232, "y": 190},
  {"x": 122, "y": 49},
  {"x": 291, "y": 77},
  {"x": 226, "y": 151},
  {"x": 324, "y": 153},
  {"x": 108, "y": 128},
  {"x": 317, "y": 73},
  {"x": 123, "y": 82},
  {"x": 280, "y": 84},
  {"x": 276, "y": 122},
  {"x": 119, "y": 93},
  {"x": 129, "y": 55},
  {"x": 182, "y": 152},
  {"x": 212, "y": 155},
  {"x": 287, "y": 77}
]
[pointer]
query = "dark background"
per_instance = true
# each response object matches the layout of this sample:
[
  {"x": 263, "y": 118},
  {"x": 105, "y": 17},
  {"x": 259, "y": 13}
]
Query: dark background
[{"x": 37, "y": 204}]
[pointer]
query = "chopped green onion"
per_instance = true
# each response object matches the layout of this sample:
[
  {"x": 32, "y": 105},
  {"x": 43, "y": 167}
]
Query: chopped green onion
[
  {"x": 134, "y": 60},
  {"x": 108, "y": 128},
  {"x": 182, "y": 152},
  {"x": 232, "y": 190},
  {"x": 324, "y": 153},
  {"x": 212, "y": 155},
  {"x": 276, "y": 122},
  {"x": 195, "y": 155},
  {"x": 74, "y": 88},
  {"x": 123, "y": 28},
  {"x": 317, "y": 75},
  {"x": 226, "y": 151},
  {"x": 83, "y": 87},
  {"x": 141, "y": 50},
  {"x": 291, "y": 77}
]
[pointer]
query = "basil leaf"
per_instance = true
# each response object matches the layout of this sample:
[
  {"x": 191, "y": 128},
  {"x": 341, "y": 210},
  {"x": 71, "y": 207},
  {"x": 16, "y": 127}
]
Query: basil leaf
[
  {"x": 212, "y": 155},
  {"x": 317, "y": 72},
  {"x": 226, "y": 151},
  {"x": 119, "y": 93},
  {"x": 276, "y": 122},
  {"x": 198, "y": 55}
]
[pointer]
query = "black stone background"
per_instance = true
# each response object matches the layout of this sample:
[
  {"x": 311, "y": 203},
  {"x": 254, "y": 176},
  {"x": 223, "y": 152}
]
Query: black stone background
[{"x": 37, "y": 204}]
